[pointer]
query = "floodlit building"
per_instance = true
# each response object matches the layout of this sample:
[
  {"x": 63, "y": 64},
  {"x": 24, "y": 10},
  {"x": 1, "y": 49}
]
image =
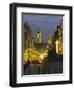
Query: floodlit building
[
  {"x": 39, "y": 39},
  {"x": 28, "y": 39},
  {"x": 59, "y": 41},
  {"x": 58, "y": 38}
]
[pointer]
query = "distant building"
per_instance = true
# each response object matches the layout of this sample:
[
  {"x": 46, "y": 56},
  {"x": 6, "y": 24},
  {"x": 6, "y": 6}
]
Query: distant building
[
  {"x": 28, "y": 39},
  {"x": 32, "y": 42},
  {"x": 49, "y": 40},
  {"x": 39, "y": 39},
  {"x": 40, "y": 46},
  {"x": 58, "y": 39}
]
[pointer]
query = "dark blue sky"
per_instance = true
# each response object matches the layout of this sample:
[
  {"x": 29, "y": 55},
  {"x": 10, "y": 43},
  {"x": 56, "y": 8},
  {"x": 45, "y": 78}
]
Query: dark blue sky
[{"x": 46, "y": 23}]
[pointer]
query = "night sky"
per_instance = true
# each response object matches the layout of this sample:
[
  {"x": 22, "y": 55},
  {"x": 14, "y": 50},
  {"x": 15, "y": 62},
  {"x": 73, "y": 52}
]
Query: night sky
[{"x": 46, "y": 23}]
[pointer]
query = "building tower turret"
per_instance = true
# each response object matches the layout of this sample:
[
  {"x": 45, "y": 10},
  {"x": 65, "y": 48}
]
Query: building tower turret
[{"x": 39, "y": 40}]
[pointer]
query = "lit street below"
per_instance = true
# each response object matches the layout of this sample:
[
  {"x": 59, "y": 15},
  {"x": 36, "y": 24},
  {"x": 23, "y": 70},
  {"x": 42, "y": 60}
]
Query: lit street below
[{"x": 50, "y": 67}]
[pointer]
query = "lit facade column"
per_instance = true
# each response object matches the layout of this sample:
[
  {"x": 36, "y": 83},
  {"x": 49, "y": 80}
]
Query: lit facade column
[{"x": 57, "y": 46}]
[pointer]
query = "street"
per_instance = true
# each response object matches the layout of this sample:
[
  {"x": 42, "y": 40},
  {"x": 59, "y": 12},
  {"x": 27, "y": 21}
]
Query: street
[{"x": 50, "y": 67}]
